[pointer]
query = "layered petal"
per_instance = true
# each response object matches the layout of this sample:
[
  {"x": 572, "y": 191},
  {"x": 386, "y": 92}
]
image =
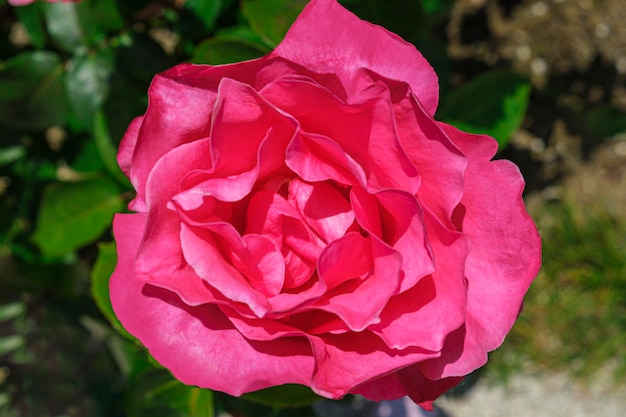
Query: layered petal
[
  {"x": 345, "y": 361},
  {"x": 338, "y": 42},
  {"x": 504, "y": 258},
  {"x": 198, "y": 344},
  {"x": 365, "y": 131}
]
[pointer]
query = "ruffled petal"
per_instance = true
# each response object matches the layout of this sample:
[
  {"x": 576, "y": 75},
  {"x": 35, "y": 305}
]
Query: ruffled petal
[
  {"x": 410, "y": 382},
  {"x": 428, "y": 312},
  {"x": 344, "y": 361},
  {"x": 323, "y": 208},
  {"x": 198, "y": 344},
  {"x": 438, "y": 160},
  {"x": 201, "y": 251},
  {"x": 177, "y": 113},
  {"x": 365, "y": 131},
  {"x": 340, "y": 43},
  {"x": 504, "y": 257},
  {"x": 359, "y": 302}
]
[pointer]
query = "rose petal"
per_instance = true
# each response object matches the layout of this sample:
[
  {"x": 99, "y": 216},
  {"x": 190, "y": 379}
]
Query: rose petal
[
  {"x": 358, "y": 302},
  {"x": 504, "y": 258},
  {"x": 201, "y": 252},
  {"x": 345, "y": 361},
  {"x": 269, "y": 214},
  {"x": 128, "y": 144},
  {"x": 428, "y": 312},
  {"x": 344, "y": 259},
  {"x": 322, "y": 207},
  {"x": 176, "y": 114},
  {"x": 437, "y": 158},
  {"x": 316, "y": 158},
  {"x": 159, "y": 258},
  {"x": 403, "y": 229},
  {"x": 199, "y": 345},
  {"x": 407, "y": 381},
  {"x": 365, "y": 131},
  {"x": 248, "y": 141},
  {"x": 338, "y": 42}
]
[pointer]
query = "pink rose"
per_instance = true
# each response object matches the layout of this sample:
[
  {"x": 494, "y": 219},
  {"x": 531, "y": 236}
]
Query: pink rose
[{"x": 302, "y": 218}]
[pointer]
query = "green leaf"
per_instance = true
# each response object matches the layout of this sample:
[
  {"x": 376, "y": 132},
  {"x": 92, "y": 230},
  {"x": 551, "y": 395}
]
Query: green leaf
[
  {"x": 88, "y": 159},
  {"x": 225, "y": 50},
  {"x": 74, "y": 214},
  {"x": 31, "y": 91},
  {"x": 100, "y": 275},
  {"x": 87, "y": 85},
  {"x": 206, "y": 11},
  {"x": 31, "y": 18},
  {"x": 70, "y": 25},
  {"x": 606, "y": 121},
  {"x": 157, "y": 394},
  {"x": 290, "y": 395},
  {"x": 270, "y": 19},
  {"x": 10, "y": 343},
  {"x": 436, "y": 9},
  {"x": 105, "y": 13},
  {"x": 11, "y": 154},
  {"x": 107, "y": 151},
  {"x": 494, "y": 104},
  {"x": 12, "y": 310}
]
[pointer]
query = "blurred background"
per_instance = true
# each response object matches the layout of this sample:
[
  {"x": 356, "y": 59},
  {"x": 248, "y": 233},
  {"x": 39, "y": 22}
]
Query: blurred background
[{"x": 546, "y": 78}]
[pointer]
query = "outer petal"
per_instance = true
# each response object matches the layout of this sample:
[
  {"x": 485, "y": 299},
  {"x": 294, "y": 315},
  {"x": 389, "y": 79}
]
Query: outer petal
[
  {"x": 504, "y": 258},
  {"x": 408, "y": 381},
  {"x": 176, "y": 114},
  {"x": 198, "y": 344},
  {"x": 338, "y": 42},
  {"x": 347, "y": 360}
]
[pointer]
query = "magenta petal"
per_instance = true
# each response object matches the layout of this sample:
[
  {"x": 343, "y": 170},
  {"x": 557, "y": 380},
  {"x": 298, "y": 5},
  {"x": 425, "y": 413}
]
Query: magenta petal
[
  {"x": 436, "y": 306},
  {"x": 344, "y": 259},
  {"x": 248, "y": 140},
  {"x": 338, "y": 42},
  {"x": 504, "y": 257},
  {"x": 176, "y": 114},
  {"x": 359, "y": 302},
  {"x": 270, "y": 215},
  {"x": 318, "y": 158},
  {"x": 323, "y": 208},
  {"x": 260, "y": 329},
  {"x": 199, "y": 345},
  {"x": 410, "y": 382},
  {"x": 403, "y": 228},
  {"x": 160, "y": 253},
  {"x": 437, "y": 158},
  {"x": 365, "y": 131},
  {"x": 203, "y": 256},
  {"x": 264, "y": 265},
  {"x": 347, "y": 360},
  {"x": 241, "y": 121},
  {"x": 128, "y": 144}
]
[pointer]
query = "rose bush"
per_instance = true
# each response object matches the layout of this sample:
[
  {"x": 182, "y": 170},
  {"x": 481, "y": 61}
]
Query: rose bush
[{"x": 302, "y": 218}]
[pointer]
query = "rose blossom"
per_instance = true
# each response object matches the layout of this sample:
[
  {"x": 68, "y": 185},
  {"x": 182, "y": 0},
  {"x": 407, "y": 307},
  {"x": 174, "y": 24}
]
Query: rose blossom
[{"x": 302, "y": 218}]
